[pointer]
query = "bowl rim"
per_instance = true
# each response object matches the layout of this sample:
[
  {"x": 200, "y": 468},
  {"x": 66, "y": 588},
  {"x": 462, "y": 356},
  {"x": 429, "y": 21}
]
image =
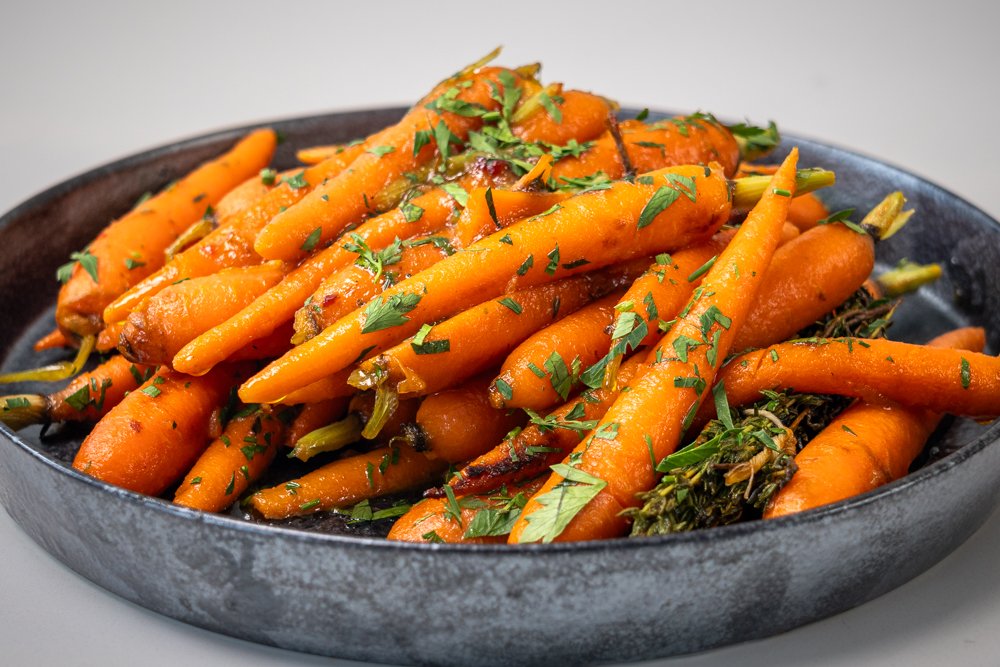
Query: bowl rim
[{"x": 327, "y": 540}]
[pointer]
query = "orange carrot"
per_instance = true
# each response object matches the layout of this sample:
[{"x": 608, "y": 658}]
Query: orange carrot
[
  {"x": 866, "y": 446},
  {"x": 278, "y": 305},
  {"x": 51, "y": 340},
  {"x": 344, "y": 482},
  {"x": 601, "y": 228},
  {"x": 154, "y": 435},
  {"x": 488, "y": 210},
  {"x": 477, "y": 339},
  {"x": 917, "y": 376},
  {"x": 131, "y": 248},
  {"x": 169, "y": 320},
  {"x": 444, "y": 520},
  {"x": 232, "y": 462},
  {"x": 543, "y": 442},
  {"x": 315, "y": 415},
  {"x": 645, "y": 424},
  {"x": 230, "y": 244},
  {"x": 346, "y": 198},
  {"x": 581, "y": 117},
  {"x": 329, "y": 387},
  {"x": 88, "y": 397}
]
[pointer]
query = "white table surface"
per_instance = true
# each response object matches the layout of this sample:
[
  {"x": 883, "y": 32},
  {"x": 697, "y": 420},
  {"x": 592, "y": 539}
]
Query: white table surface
[{"x": 86, "y": 83}]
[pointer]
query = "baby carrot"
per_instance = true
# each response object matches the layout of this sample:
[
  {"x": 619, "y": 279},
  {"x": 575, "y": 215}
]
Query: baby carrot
[
  {"x": 232, "y": 462},
  {"x": 154, "y": 435},
  {"x": 866, "y": 446},
  {"x": 587, "y": 228},
  {"x": 404, "y": 147},
  {"x": 51, "y": 340},
  {"x": 315, "y": 415},
  {"x": 131, "y": 248},
  {"x": 645, "y": 424},
  {"x": 154, "y": 332},
  {"x": 88, "y": 397}
]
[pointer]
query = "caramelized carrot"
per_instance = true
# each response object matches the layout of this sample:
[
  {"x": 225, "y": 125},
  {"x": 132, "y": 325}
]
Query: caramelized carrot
[
  {"x": 541, "y": 249},
  {"x": 645, "y": 424},
  {"x": 154, "y": 435},
  {"x": 444, "y": 520},
  {"x": 344, "y": 482},
  {"x": 580, "y": 117},
  {"x": 477, "y": 339},
  {"x": 315, "y": 415},
  {"x": 131, "y": 248},
  {"x": 51, "y": 340},
  {"x": 88, "y": 397},
  {"x": 346, "y": 198},
  {"x": 169, "y": 320},
  {"x": 232, "y": 462},
  {"x": 866, "y": 446}
]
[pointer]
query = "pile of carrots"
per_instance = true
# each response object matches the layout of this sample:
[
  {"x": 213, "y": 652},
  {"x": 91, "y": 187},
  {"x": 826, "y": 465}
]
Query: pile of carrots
[{"x": 513, "y": 299}]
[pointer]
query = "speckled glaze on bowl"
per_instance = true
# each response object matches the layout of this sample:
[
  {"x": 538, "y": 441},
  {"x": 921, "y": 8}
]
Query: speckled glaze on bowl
[{"x": 368, "y": 599}]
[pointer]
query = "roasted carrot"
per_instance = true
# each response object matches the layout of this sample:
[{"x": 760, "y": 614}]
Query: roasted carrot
[
  {"x": 326, "y": 388},
  {"x": 53, "y": 339},
  {"x": 645, "y": 424},
  {"x": 173, "y": 317},
  {"x": 382, "y": 471},
  {"x": 488, "y": 210},
  {"x": 278, "y": 305},
  {"x": 131, "y": 248},
  {"x": 232, "y": 462},
  {"x": 154, "y": 435},
  {"x": 866, "y": 446},
  {"x": 579, "y": 116},
  {"x": 346, "y": 198},
  {"x": 588, "y": 227},
  {"x": 546, "y": 440},
  {"x": 230, "y": 244},
  {"x": 917, "y": 376},
  {"x": 88, "y": 397},
  {"x": 477, "y": 339},
  {"x": 315, "y": 415},
  {"x": 483, "y": 518}
]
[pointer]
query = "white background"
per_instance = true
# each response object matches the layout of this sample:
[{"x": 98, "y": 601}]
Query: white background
[{"x": 915, "y": 84}]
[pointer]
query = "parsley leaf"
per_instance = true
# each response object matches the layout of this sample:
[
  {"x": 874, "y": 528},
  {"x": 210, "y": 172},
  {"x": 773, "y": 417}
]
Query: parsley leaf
[
  {"x": 561, "y": 504},
  {"x": 381, "y": 313}
]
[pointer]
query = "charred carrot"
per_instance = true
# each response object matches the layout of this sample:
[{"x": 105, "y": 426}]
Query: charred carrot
[
  {"x": 476, "y": 519},
  {"x": 428, "y": 213},
  {"x": 618, "y": 459},
  {"x": 866, "y": 446},
  {"x": 232, "y": 462},
  {"x": 477, "y": 339},
  {"x": 173, "y": 317},
  {"x": 131, "y": 248},
  {"x": 543, "y": 442},
  {"x": 587, "y": 228},
  {"x": 154, "y": 435},
  {"x": 88, "y": 397},
  {"x": 344, "y": 482},
  {"x": 426, "y": 132}
]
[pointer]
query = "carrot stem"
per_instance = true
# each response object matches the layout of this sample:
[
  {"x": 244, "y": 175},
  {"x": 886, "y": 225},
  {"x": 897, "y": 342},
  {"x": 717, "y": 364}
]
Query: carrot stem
[
  {"x": 328, "y": 438},
  {"x": 748, "y": 190},
  {"x": 57, "y": 371}
]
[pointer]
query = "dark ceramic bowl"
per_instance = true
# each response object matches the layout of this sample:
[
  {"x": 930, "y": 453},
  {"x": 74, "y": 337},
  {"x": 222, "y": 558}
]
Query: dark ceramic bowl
[{"x": 309, "y": 587}]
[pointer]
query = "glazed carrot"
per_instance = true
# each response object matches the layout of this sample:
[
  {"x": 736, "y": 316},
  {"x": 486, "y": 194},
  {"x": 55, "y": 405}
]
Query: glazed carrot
[
  {"x": 232, "y": 462},
  {"x": 543, "y": 442},
  {"x": 488, "y": 210},
  {"x": 154, "y": 435},
  {"x": 445, "y": 520},
  {"x": 51, "y": 340},
  {"x": 169, "y": 320},
  {"x": 246, "y": 193},
  {"x": 131, "y": 248},
  {"x": 346, "y": 198},
  {"x": 326, "y": 388},
  {"x": 315, "y": 415},
  {"x": 88, "y": 397},
  {"x": 344, "y": 482},
  {"x": 645, "y": 424},
  {"x": 581, "y": 117},
  {"x": 589, "y": 227},
  {"x": 682, "y": 140},
  {"x": 231, "y": 243},
  {"x": 477, "y": 339},
  {"x": 917, "y": 376},
  {"x": 107, "y": 340},
  {"x": 866, "y": 446},
  {"x": 278, "y": 305}
]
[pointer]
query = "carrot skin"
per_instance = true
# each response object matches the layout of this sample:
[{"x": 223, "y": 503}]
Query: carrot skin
[
  {"x": 131, "y": 248},
  {"x": 231, "y": 463},
  {"x": 155, "y": 332},
  {"x": 107, "y": 386},
  {"x": 52, "y": 340},
  {"x": 137, "y": 446},
  {"x": 349, "y": 480},
  {"x": 314, "y": 416},
  {"x": 866, "y": 446},
  {"x": 634, "y": 434},
  {"x": 589, "y": 226}
]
